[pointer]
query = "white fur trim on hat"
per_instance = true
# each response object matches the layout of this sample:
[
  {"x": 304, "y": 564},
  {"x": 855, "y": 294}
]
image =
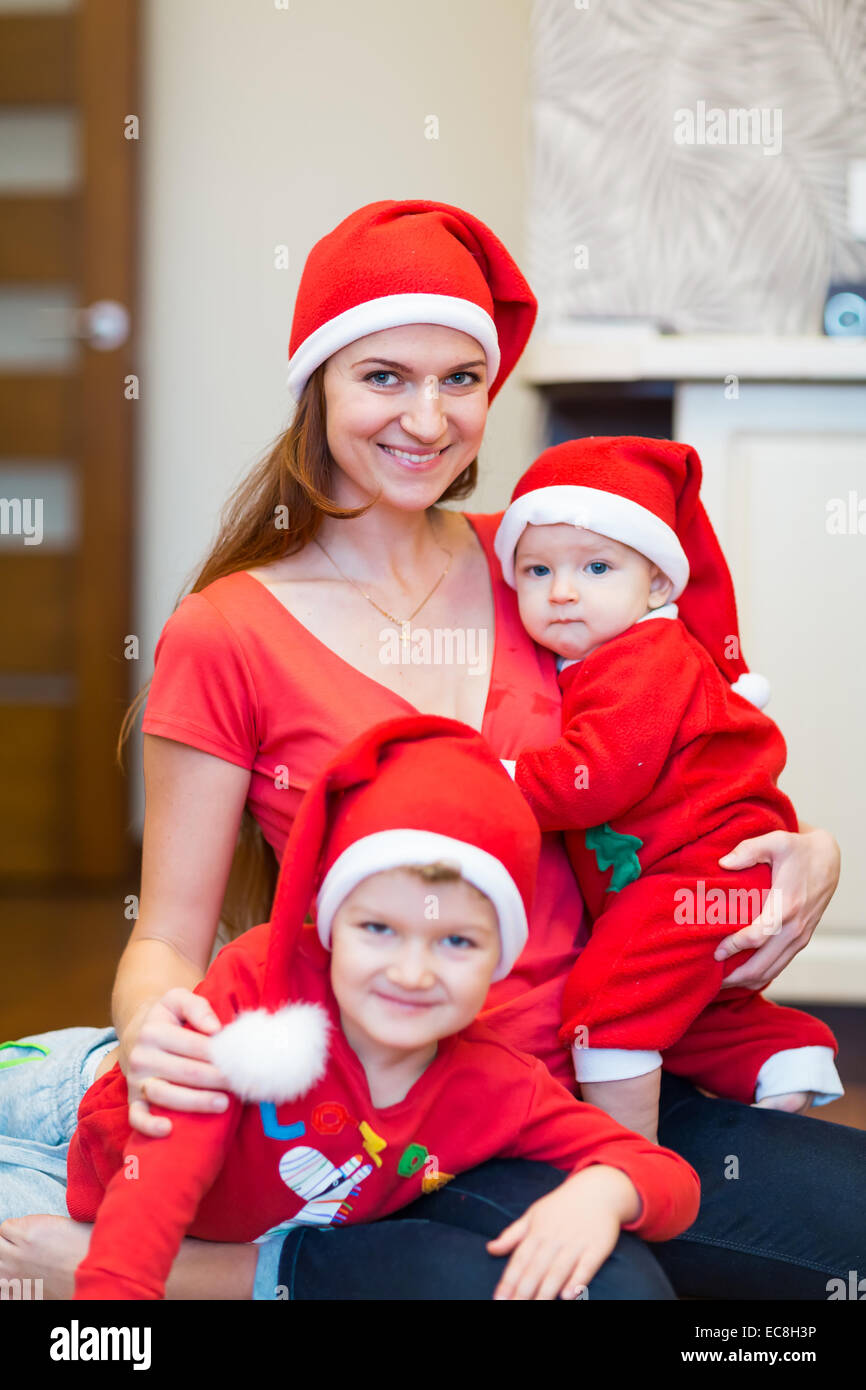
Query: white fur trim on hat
[
  {"x": 394, "y": 849},
  {"x": 753, "y": 687},
  {"x": 273, "y": 1056},
  {"x": 607, "y": 513},
  {"x": 393, "y": 311}
]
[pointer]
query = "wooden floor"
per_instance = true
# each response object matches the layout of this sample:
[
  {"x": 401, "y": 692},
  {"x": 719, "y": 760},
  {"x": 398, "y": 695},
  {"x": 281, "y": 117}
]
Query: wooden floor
[{"x": 60, "y": 951}]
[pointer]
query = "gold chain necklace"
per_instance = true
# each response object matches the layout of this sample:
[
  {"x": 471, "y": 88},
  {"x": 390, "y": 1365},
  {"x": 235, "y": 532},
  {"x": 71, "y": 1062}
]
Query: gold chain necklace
[{"x": 402, "y": 623}]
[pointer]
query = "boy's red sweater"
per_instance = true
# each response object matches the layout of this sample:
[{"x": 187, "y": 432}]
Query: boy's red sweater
[{"x": 331, "y": 1157}]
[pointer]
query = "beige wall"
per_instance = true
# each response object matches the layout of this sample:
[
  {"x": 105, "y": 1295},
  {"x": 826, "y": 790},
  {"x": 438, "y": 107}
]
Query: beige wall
[{"x": 263, "y": 126}]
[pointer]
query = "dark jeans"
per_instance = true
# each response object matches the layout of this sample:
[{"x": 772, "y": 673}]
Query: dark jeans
[{"x": 783, "y": 1211}]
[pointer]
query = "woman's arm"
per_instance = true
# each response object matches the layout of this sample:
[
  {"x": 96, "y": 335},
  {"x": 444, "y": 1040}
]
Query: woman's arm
[
  {"x": 194, "y": 803},
  {"x": 805, "y": 872}
]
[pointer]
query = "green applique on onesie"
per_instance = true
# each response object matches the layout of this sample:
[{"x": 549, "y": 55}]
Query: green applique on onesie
[{"x": 619, "y": 851}]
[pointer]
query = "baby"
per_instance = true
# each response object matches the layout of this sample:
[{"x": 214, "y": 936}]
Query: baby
[
  {"x": 360, "y": 1077},
  {"x": 663, "y": 765}
]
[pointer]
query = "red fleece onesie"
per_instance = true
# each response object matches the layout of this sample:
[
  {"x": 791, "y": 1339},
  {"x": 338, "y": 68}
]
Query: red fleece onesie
[
  {"x": 657, "y": 746},
  {"x": 331, "y": 1157}
]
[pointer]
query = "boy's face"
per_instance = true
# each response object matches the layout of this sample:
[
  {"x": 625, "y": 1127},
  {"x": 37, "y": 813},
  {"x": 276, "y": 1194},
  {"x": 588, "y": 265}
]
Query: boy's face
[
  {"x": 576, "y": 589},
  {"x": 402, "y": 976}
]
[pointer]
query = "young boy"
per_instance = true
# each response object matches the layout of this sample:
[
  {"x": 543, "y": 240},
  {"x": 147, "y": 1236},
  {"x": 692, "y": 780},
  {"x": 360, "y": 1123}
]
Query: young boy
[
  {"x": 374, "y": 1084},
  {"x": 663, "y": 766}
]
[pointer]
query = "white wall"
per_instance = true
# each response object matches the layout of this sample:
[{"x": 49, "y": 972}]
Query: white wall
[{"x": 263, "y": 126}]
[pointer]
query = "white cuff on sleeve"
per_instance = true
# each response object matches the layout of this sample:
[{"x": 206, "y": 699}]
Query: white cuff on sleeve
[
  {"x": 612, "y": 1063},
  {"x": 509, "y": 764},
  {"x": 801, "y": 1069}
]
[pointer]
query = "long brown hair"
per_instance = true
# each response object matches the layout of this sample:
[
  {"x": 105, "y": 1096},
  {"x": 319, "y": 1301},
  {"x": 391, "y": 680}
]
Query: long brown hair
[{"x": 275, "y": 511}]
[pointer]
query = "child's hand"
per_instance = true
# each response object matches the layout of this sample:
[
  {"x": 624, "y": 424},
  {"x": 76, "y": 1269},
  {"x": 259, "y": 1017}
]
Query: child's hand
[{"x": 562, "y": 1240}]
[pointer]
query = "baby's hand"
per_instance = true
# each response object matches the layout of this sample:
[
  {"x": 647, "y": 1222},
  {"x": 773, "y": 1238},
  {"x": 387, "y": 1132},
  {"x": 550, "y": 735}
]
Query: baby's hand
[
  {"x": 561, "y": 1241},
  {"x": 793, "y": 1102}
]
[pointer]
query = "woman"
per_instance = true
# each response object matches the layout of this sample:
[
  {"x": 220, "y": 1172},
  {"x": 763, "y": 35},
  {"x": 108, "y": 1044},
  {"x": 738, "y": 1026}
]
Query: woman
[{"x": 299, "y": 634}]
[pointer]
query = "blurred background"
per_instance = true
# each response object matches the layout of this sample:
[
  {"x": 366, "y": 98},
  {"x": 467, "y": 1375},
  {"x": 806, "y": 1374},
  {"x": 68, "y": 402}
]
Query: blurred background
[{"x": 685, "y": 188}]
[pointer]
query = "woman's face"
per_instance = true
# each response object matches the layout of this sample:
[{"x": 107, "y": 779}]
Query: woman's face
[{"x": 406, "y": 409}]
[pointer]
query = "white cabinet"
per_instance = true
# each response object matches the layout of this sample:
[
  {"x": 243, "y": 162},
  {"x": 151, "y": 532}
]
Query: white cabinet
[{"x": 785, "y": 486}]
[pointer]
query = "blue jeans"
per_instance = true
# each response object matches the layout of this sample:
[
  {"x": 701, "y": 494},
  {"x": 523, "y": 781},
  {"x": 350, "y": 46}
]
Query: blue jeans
[
  {"x": 43, "y": 1078},
  {"x": 435, "y": 1249},
  {"x": 783, "y": 1199},
  {"x": 783, "y": 1211}
]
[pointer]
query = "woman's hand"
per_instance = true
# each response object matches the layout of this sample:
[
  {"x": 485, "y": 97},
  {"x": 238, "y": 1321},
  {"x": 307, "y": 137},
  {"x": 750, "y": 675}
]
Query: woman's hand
[
  {"x": 562, "y": 1240},
  {"x": 805, "y": 872},
  {"x": 164, "y": 1062}
]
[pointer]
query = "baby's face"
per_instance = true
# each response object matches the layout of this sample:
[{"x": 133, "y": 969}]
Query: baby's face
[
  {"x": 412, "y": 960},
  {"x": 576, "y": 589}
]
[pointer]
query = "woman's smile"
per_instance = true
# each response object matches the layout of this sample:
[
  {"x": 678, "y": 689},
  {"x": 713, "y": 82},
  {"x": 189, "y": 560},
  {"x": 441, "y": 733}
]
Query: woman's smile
[{"x": 412, "y": 458}]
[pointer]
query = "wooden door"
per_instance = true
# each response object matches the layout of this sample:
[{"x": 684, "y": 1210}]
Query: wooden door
[{"x": 68, "y": 402}]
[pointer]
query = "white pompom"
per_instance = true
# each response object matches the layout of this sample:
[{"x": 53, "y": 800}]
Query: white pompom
[
  {"x": 273, "y": 1056},
  {"x": 753, "y": 687}
]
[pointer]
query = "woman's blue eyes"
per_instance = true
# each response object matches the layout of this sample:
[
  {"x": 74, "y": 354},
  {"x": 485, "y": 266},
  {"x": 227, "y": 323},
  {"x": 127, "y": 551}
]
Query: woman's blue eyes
[{"x": 469, "y": 377}]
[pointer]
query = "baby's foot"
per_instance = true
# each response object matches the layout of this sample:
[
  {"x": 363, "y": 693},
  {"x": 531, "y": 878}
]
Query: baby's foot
[
  {"x": 44, "y": 1247},
  {"x": 792, "y": 1102}
]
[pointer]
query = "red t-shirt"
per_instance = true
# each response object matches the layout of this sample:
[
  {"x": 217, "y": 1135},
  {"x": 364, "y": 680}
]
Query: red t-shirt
[
  {"x": 331, "y": 1157},
  {"x": 238, "y": 676}
]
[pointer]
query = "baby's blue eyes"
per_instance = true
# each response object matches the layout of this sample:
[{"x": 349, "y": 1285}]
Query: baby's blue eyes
[{"x": 594, "y": 567}]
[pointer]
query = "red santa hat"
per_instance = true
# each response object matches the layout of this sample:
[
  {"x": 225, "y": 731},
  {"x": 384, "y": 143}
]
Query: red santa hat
[
  {"x": 412, "y": 790},
  {"x": 644, "y": 493},
  {"x": 416, "y": 261}
]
